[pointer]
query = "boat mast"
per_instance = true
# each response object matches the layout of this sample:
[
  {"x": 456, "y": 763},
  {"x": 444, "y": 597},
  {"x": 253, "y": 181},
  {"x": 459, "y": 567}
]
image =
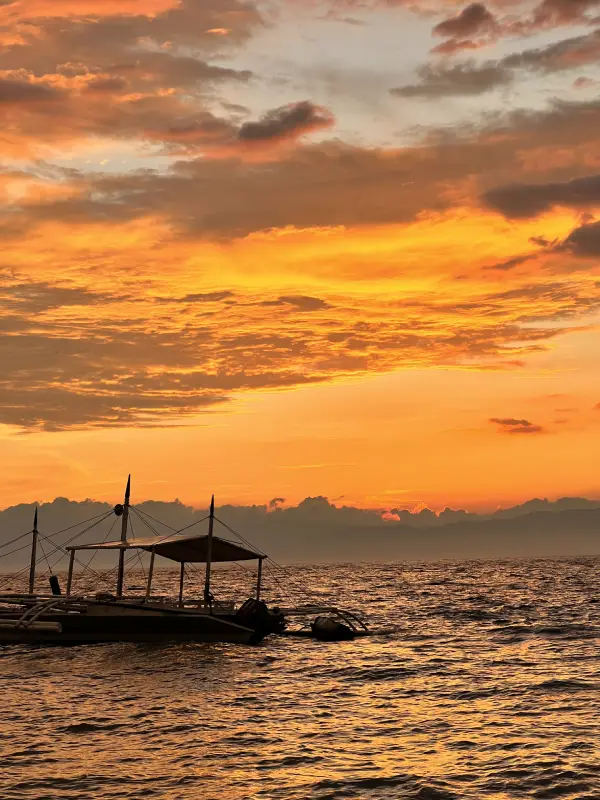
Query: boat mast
[
  {"x": 209, "y": 541},
  {"x": 33, "y": 552},
  {"x": 123, "y": 539},
  {"x": 259, "y": 578}
]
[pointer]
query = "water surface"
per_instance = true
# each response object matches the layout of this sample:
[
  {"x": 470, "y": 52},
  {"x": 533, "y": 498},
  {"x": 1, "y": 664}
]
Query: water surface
[{"x": 484, "y": 682}]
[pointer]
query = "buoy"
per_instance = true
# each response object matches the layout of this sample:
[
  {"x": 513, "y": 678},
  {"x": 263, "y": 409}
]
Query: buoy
[{"x": 328, "y": 629}]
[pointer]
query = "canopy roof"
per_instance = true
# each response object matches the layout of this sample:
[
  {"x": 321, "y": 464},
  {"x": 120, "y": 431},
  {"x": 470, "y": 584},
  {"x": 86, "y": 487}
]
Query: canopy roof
[{"x": 181, "y": 548}]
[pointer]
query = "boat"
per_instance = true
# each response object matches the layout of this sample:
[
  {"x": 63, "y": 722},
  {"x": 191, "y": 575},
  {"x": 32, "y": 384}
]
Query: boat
[
  {"x": 70, "y": 618},
  {"x": 110, "y": 617}
]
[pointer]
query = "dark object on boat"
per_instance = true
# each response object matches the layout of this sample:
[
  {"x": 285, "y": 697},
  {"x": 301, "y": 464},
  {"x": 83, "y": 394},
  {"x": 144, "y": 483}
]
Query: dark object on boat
[
  {"x": 256, "y": 615},
  {"x": 55, "y": 585},
  {"x": 328, "y": 629}
]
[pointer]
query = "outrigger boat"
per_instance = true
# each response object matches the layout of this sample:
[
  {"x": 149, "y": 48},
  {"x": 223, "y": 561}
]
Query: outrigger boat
[{"x": 70, "y": 618}]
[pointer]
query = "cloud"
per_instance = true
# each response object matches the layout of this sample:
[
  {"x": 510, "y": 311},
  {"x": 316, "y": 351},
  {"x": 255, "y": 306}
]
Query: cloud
[
  {"x": 520, "y": 200},
  {"x": 584, "y": 241},
  {"x": 470, "y": 21},
  {"x": 477, "y": 26},
  {"x": 44, "y": 9},
  {"x": 219, "y": 138},
  {"x": 553, "y": 13},
  {"x": 471, "y": 77},
  {"x": 15, "y": 92},
  {"x": 115, "y": 346},
  {"x": 516, "y": 426},
  {"x": 332, "y": 183},
  {"x": 301, "y": 302},
  {"x": 461, "y": 79},
  {"x": 147, "y": 297},
  {"x": 474, "y": 20},
  {"x": 288, "y": 122},
  {"x": 155, "y": 63},
  {"x": 512, "y": 263}
]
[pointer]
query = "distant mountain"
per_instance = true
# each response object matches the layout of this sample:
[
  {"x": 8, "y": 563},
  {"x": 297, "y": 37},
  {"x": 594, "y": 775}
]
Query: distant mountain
[{"x": 316, "y": 530}]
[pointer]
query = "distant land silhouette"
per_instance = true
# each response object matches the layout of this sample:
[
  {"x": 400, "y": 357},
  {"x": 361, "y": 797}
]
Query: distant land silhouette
[{"x": 316, "y": 530}]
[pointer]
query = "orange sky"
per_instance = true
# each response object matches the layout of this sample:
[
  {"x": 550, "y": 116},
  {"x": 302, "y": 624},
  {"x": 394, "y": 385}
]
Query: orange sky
[{"x": 221, "y": 275}]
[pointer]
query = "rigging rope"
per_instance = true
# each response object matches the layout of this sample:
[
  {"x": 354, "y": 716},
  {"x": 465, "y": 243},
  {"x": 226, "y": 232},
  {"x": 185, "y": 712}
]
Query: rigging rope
[
  {"x": 56, "y": 547},
  {"x": 139, "y": 511},
  {"x": 12, "y": 541},
  {"x": 40, "y": 538},
  {"x": 303, "y": 587}
]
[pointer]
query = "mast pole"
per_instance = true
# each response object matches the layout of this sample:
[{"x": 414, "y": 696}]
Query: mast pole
[
  {"x": 70, "y": 575},
  {"x": 181, "y": 579},
  {"x": 33, "y": 552},
  {"x": 209, "y": 541},
  {"x": 259, "y": 579},
  {"x": 125, "y": 519},
  {"x": 150, "y": 573}
]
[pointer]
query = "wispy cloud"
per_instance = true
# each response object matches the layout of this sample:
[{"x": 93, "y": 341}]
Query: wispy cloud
[{"x": 516, "y": 426}]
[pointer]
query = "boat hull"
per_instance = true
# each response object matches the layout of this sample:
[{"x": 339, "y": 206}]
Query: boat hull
[{"x": 120, "y": 625}]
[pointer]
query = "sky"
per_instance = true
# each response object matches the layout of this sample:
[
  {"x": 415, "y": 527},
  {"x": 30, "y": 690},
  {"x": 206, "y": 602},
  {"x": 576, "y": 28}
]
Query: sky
[{"x": 341, "y": 248}]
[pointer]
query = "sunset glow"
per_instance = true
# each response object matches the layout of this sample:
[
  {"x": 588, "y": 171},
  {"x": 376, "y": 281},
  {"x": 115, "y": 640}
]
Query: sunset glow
[{"x": 258, "y": 249}]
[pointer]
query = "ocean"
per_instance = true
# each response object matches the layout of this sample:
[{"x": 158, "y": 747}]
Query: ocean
[{"x": 482, "y": 680}]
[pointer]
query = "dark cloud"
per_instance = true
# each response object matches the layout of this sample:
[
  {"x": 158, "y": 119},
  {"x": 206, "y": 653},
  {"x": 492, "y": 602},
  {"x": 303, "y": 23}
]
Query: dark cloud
[
  {"x": 552, "y": 13},
  {"x": 303, "y": 303},
  {"x": 516, "y": 426},
  {"x": 158, "y": 60},
  {"x": 567, "y": 54},
  {"x": 522, "y": 200},
  {"x": 222, "y": 138},
  {"x": 287, "y": 122},
  {"x": 15, "y": 92},
  {"x": 584, "y": 241},
  {"x": 478, "y": 22},
  {"x": 542, "y": 241},
  {"x": 112, "y": 84},
  {"x": 461, "y": 79},
  {"x": 512, "y": 263},
  {"x": 333, "y": 183},
  {"x": 471, "y": 20},
  {"x": 463, "y": 30},
  {"x": 470, "y": 77}
]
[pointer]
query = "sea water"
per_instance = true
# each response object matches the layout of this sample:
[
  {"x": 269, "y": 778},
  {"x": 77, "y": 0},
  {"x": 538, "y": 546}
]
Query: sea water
[{"x": 482, "y": 681}]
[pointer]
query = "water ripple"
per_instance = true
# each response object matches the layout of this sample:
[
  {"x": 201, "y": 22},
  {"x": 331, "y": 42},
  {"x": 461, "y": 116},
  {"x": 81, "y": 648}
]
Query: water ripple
[{"x": 482, "y": 682}]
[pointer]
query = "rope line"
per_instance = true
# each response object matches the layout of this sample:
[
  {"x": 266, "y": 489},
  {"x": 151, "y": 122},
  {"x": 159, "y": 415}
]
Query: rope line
[
  {"x": 56, "y": 548},
  {"x": 140, "y": 511},
  {"x": 16, "y": 539}
]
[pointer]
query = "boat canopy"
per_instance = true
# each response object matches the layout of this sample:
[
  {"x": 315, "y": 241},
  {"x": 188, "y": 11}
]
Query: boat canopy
[{"x": 184, "y": 549}]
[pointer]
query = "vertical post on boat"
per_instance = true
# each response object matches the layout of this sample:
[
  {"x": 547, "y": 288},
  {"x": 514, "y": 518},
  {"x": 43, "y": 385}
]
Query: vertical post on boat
[
  {"x": 209, "y": 541},
  {"x": 150, "y": 572},
  {"x": 181, "y": 578},
  {"x": 70, "y": 575},
  {"x": 259, "y": 578},
  {"x": 125, "y": 519},
  {"x": 33, "y": 552}
]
